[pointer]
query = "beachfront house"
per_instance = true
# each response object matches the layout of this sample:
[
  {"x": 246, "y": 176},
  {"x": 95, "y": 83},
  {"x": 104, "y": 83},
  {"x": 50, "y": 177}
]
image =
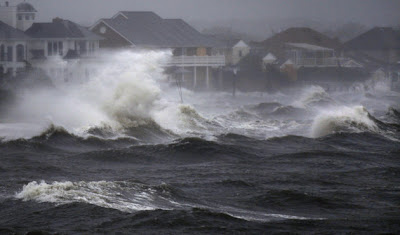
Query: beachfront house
[
  {"x": 26, "y": 43},
  {"x": 308, "y": 55},
  {"x": 14, "y": 20},
  {"x": 65, "y": 40},
  {"x": 192, "y": 51},
  {"x": 13, "y": 49},
  {"x": 19, "y": 17},
  {"x": 62, "y": 38},
  {"x": 381, "y": 44},
  {"x": 304, "y": 47},
  {"x": 234, "y": 50}
]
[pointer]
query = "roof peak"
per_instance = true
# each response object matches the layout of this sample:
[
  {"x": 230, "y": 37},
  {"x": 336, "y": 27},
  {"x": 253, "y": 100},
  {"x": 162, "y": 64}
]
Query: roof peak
[{"x": 25, "y": 7}]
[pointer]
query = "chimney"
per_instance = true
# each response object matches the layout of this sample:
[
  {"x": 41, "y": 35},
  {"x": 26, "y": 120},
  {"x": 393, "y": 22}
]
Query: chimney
[
  {"x": 6, "y": 3},
  {"x": 57, "y": 20}
]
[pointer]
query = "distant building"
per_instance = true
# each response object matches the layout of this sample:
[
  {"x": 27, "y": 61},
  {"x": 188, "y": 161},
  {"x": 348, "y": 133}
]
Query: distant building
[
  {"x": 380, "y": 44},
  {"x": 276, "y": 44},
  {"x": 64, "y": 39},
  {"x": 307, "y": 55},
  {"x": 26, "y": 43},
  {"x": 61, "y": 38},
  {"x": 20, "y": 16},
  {"x": 143, "y": 29},
  {"x": 304, "y": 47},
  {"x": 234, "y": 50},
  {"x": 13, "y": 49}
]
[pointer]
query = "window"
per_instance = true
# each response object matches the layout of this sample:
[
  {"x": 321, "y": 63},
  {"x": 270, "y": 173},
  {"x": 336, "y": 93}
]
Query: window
[
  {"x": 240, "y": 53},
  {"x": 55, "y": 48},
  {"x": 103, "y": 29},
  {"x": 20, "y": 53},
  {"x": 9, "y": 53},
  {"x": 19, "y": 17},
  {"x": 92, "y": 47},
  {"x": 26, "y": 17},
  {"x": 82, "y": 48},
  {"x": 60, "y": 48},
  {"x": 2, "y": 53},
  {"x": 49, "y": 48}
]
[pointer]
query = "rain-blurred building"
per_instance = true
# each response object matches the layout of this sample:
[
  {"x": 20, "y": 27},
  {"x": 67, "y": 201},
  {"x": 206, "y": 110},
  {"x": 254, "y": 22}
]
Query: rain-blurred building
[
  {"x": 191, "y": 50},
  {"x": 24, "y": 43}
]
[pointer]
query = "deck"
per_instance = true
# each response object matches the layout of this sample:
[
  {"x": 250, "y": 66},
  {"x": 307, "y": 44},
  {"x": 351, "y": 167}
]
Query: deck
[{"x": 196, "y": 61}]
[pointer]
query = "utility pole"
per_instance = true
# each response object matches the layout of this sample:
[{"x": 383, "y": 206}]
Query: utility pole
[{"x": 234, "y": 82}]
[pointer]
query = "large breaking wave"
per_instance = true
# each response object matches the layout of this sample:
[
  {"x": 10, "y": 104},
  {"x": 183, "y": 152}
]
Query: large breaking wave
[{"x": 128, "y": 96}]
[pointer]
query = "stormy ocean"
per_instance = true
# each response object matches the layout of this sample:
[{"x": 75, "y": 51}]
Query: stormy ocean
[{"x": 118, "y": 153}]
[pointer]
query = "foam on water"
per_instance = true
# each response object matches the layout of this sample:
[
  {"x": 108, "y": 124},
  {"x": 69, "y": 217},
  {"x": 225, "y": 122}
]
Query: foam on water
[
  {"x": 129, "y": 90},
  {"x": 343, "y": 119},
  {"x": 127, "y": 197},
  {"x": 312, "y": 95},
  {"x": 122, "y": 196},
  {"x": 124, "y": 92}
]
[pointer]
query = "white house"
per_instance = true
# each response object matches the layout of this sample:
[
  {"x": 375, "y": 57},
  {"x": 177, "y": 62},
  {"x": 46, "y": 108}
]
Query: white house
[
  {"x": 61, "y": 38},
  {"x": 192, "y": 51},
  {"x": 235, "y": 50},
  {"x": 20, "y": 16},
  {"x": 13, "y": 49},
  {"x": 308, "y": 55}
]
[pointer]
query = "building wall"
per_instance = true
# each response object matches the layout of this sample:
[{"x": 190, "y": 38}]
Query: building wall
[
  {"x": 12, "y": 63},
  {"x": 42, "y": 44},
  {"x": 9, "y": 15},
  {"x": 238, "y": 53},
  {"x": 25, "y": 20},
  {"x": 228, "y": 56},
  {"x": 112, "y": 39}
]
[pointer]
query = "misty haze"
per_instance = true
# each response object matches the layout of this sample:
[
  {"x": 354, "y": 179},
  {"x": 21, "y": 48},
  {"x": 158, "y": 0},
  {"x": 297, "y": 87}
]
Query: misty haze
[{"x": 199, "y": 117}]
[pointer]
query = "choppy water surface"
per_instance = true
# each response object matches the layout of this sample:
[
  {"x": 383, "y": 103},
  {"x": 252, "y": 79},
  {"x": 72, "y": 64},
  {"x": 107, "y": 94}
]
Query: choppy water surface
[{"x": 120, "y": 153}]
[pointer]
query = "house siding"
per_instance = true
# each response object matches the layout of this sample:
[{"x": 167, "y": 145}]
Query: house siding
[{"x": 112, "y": 39}]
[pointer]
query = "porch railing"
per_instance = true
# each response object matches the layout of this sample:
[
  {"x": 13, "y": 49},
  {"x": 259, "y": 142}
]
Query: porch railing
[
  {"x": 188, "y": 61},
  {"x": 317, "y": 62}
]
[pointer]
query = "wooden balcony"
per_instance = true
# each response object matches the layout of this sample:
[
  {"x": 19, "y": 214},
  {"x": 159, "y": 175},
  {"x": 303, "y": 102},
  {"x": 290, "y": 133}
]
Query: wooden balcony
[{"x": 196, "y": 61}]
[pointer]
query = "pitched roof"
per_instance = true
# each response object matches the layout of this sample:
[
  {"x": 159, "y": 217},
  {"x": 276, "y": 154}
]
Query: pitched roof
[
  {"x": 61, "y": 29},
  {"x": 146, "y": 16},
  {"x": 301, "y": 35},
  {"x": 308, "y": 47},
  {"x": 378, "y": 38},
  {"x": 150, "y": 30},
  {"x": 9, "y": 33},
  {"x": 269, "y": 56}
]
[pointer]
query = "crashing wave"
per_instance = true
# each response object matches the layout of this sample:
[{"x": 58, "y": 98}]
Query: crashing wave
[
  {"x": 122, "y": 196},
  {"x": 345, "y": 119},
  {"x": 313, "y": 96}
]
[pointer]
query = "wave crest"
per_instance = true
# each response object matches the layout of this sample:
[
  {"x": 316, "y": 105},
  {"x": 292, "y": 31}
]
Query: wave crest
[
  {"x": 123, "y": 196},
  {"x": 345, "y": 119}
]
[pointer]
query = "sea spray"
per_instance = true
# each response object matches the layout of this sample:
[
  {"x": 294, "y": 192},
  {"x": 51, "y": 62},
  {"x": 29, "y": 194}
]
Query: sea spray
[
  {"x": 313, "y": 96},
  {"x": 343, "y": 119},
  {"x": 124, "y": 196},
  {"x": 122, "y": 93}
]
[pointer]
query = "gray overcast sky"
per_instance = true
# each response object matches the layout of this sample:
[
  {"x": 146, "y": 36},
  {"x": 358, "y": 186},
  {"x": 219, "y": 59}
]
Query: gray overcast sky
[
  {"x": 258, "y": 18},
  {"x": 368, "y": 12}
]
